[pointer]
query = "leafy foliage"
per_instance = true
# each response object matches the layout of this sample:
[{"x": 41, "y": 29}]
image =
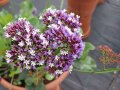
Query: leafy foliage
[
  {"x": 5, "y": 17},
  {"x": 86, "y": 63},
  {"x": 26, "y": 10}
]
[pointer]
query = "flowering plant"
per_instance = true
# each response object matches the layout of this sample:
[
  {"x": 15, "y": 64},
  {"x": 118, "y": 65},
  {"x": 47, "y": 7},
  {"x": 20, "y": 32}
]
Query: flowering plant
[{"x": 36, "y": 50}]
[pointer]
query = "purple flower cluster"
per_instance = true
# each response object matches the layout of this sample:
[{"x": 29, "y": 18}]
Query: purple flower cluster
[
  {"x": 65, "y": 42},
  {"x": 26, "y": 45},
  {"x": 56, "y": 48},
  {"x": 61, "y": 17}
]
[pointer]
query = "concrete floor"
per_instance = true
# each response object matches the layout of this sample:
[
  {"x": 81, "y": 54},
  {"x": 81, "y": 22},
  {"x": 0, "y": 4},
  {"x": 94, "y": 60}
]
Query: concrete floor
[{"x": 105, "y": 30}]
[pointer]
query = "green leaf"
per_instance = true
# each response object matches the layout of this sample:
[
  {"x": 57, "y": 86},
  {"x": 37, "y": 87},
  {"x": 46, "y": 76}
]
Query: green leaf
[
  {"x": 4, "y": 45},
  {"x": 87, "y": 64},
  {"x": 88, "y": 48},
  {"x": 5, "y": 17},
  {"x": 49, "y": 76},
  {"x": 35, "y": 22},
  {"x": 31, "y": 86},
  {"x": 26, "y": 9},
  {"x": 23, "y": 75},
  {"x": 29, "y": 81},
  {"x": 40, "y": 86},
  {"x": 14, "y": 72}
]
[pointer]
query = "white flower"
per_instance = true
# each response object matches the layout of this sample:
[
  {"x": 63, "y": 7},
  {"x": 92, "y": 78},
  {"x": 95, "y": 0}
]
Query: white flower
[
  {"x": 21, "y": 19},
  {"x": 52, "y": 11},
  {"x": 55, "y": 45},
  {"x": 21, "y": 57},
  {"x": 42, "y": 37},
  {"x": 29, "y": 43},
  {"x": 69, "y": 30},
  {"x": 27, "y": 67},
  {"x": 72, "y": 14},
  {"x": 8, "y": 60},
  {"x": 27, "y": 27},
  {"x": 51, "y": 65},
  {"x": 53, "y": 26},
  {"x": 64, "y": 10},
  {"x": 14, "y": 39},
  {"x": 27, "y": 62},
  {"x": 27, "y": 38},
  {"x": 33, "y": 63},
  {"x": 59, "y": 22},
  {"x": 5, "y": 27},
  {"x": 37, "y": 30},
  {"x": 69, "y": 18},
  {"x": 49, "y": 52},
  {"x": 45, "y": 43},
  {"x": 19, "y": 33},
  {"x": 74, "y": 56},
  {"x": 32, "y": 52},
  {"x": 40, "y": 17},
  {"x": 49, "y": 9},
  {"x": 70, "y": 68},
  {"x": 74, "y": 21},
  {"x": 59, "y": 72},
  {"x": 10, "y": 23},
  {"x": 78, "y": 16},
  {"x": 79, "y": 31},
  {"x": 7, "y": 35},
  {"x": 21, "y": 44},
  {"x": 50, "y": 18},
  {"x": 56, "y": 57},
  {"x": 41, "y": 62},
  {"x": 8, "y": 55},
  {"x": 62, "y": 52}
]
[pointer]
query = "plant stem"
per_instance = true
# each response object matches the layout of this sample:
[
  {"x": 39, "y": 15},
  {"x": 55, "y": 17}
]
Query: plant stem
[
  {"x": 11, "y": 82},
  {"x": 100, "y": 71},
  {"x": 61, "y": 5}
]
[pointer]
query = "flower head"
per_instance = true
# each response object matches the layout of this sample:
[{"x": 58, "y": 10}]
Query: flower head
[{"x": 26, "y": 45}]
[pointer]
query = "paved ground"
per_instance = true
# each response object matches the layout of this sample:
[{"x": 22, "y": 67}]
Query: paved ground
[{"x": 105, "y": 30}]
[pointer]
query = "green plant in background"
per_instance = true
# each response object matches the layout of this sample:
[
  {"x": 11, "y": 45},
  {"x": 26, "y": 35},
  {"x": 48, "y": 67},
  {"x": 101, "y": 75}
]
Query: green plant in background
[
  {"x": 5, "y": 17},
  {"x": 86, "y": 62}
]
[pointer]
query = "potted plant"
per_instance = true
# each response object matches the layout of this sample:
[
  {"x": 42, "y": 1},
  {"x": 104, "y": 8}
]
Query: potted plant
[
  {"x": 85, "y": 9},
  {"x": 3, "y": 2},
  {"x": 38, "y": 53}
]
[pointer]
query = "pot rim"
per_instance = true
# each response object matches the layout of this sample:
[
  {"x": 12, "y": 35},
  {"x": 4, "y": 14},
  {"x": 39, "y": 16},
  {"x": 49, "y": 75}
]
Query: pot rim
[{"x": 55, "y": 83}]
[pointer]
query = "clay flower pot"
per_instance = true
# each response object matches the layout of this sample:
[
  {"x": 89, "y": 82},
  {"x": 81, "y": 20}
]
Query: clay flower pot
[
  {"x": 3, "y": 2},
  {"x": 85, "y": 9},
  {"x": 54, "y": 85}
]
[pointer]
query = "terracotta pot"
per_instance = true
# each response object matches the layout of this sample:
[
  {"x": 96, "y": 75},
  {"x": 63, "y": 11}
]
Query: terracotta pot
[
  {"x": 3, "y": 2},
  {"x": 55, "y": 85},
  {"x": 85, "y": 9}
]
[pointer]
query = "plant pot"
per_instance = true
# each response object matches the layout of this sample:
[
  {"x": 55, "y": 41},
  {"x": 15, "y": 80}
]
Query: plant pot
[
  {"x": 54, "y": 85},
  {"x": 85, "y": 9},
  {"x": 3, "y": 2}
]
